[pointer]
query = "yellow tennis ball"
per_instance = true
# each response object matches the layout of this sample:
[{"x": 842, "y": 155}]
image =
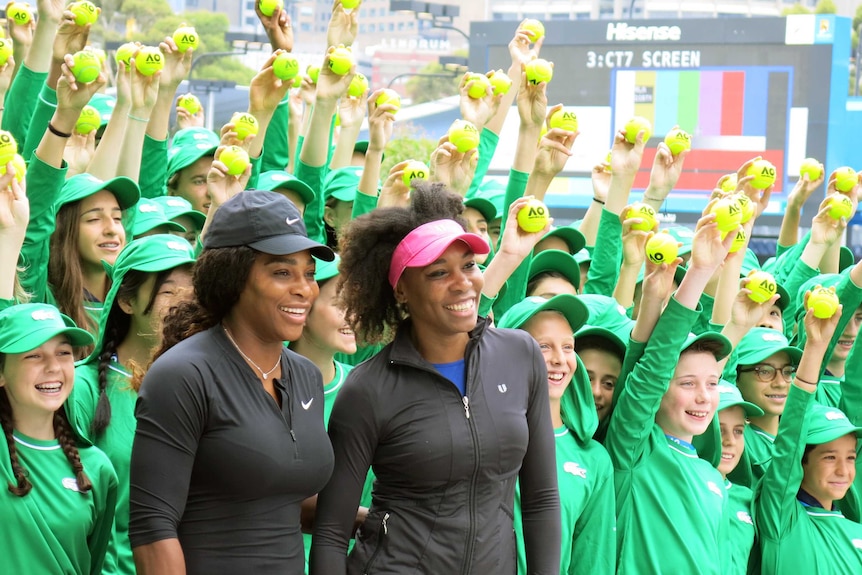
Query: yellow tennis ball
[
  {"x": 85, "y": 66},
  {"x": 245, "y": 125},
  {"x": 19, "y": 13},
  {"x": 646, "y": 213},
  {"x": 235, "y": 159},
  {"x": 190, "y": 103},
  {"x": 389, "y": 97},
  {"x": 186, "y": 37},
  {"x": 5, "y": 50},
  {"x": 608, "y": 162},
  {"x": 285, "y": 66},
  {"x": 479, "y": 87},
  {"x": 824, "y": 302},
  {"x": 728, "y": 214},
  {"x": 85, "y": 12},
  {"x": 268, "y": 7},
  {"x": 8, "y": 147},
  {"x": 678, "y": 141},
  {"x": 501, "y": 83},
  {"x": 149, "y": 60},
  {"x": 533, "y": 28},
  {"x": 727, "y": 183},
  {"x": 564, "y": 118},
  {"x": 533, "y": 217},
  {"x": 313, "y": 72},
  {"x": 414, "y": 170},
  {"x": 89, "y": 120},
  {"x": 464, "y": 135},
  {"x": 748, "y": 209},
  {"x": 845, "y": 179},
  {"x": 19, "y": 165},
  {"x": 350, "y": 4},
  {"x": 738, "y": 242},
  {"x": 126, "y": 52},
  {"x": 762, "y": 286},
  {"x": 840, "y": 206},
  {"x": 763, "y": 172},
  {"x": 297, "y": 82},
  {"x": 636, "y": 125},
  {"x": 811, "y": 167},
  {"x": 539, "y": 71},
  {"x": 662, "y": 249},
  {"x": 340, "y": 61},
  {"x": 358, "y": 86}
]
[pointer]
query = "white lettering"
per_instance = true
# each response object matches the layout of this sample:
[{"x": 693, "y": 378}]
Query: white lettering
[
  {"x": 622, "y": 32},
  {"x": 671, "y": 59}
]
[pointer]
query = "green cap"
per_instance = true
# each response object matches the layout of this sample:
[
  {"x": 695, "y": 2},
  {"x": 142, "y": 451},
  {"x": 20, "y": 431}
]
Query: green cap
[
  {"x": 361, "y": 146},
  {"x": 483, "y": 206},
  {"x": 342, "y": 184},
  {"x": 573, "y": 238},
  {"x": 570, "y": 306},
  {"x": 175, "y": 206},
  {"x": 729, "y": 396},
  {"x": 150, "y": 215},
  {"x": 607, "y": 313},
  {"x": 325, "y": 270},
  {"x": 557, "y": 261},
  {"x": 275, "y": 179},
  {"x": 104, "y": 104},
  {"x": 845, "y": 258},
  {"x": 494, "y": 192},
  {"x": 603, "y": 333},
  {"x": 761, "y": 342},
  {"x": 583, "y": 256},
  {"x": 825, "y": 424},
  {"x": 726, "y": 346},
  {"x": 25, "y": 327},
  {"x": 189, "y": 146},
  {"x": 82, "y": 186}
]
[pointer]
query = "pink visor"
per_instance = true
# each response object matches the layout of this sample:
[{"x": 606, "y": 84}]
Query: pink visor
[{"x": 426, "y": 244}]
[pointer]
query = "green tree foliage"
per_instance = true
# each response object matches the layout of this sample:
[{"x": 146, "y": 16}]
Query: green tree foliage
[
  {"x": 408, "y": 142},
  {"x": 795, "y": 9},
  {"x": 825, "y": 7},
  {"x": 422, "y": 89}
]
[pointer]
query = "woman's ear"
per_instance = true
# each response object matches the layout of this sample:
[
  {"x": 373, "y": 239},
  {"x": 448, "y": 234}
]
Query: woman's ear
[
  {"x": 400, "y": 295},
  {"x": 125, "y": 305}
]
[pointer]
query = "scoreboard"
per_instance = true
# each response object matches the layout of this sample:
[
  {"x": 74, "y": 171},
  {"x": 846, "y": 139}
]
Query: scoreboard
[{"x": 743, "y": 87}]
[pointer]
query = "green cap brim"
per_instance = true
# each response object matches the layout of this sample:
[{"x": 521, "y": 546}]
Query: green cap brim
[
  {"x": 83, "y": 186},
  {"x": 572, "y": 309},
  {"x": 573, "y": 238},
  {"x": 557, "y": 261}
]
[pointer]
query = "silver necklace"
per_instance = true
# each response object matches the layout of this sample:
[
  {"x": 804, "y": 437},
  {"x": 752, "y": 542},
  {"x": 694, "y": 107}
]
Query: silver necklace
[{"x": 264, "y": 374}]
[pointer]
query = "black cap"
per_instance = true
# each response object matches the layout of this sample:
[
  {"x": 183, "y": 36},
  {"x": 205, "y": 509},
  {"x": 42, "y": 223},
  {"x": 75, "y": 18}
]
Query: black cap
[{"x": 264, "y": 221}]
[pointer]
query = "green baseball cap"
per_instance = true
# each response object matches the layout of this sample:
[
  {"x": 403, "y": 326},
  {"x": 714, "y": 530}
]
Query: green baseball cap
[
  {"x": 175, "y": 206},
  {"x": 557, "y": 261},
  {"x": 105, "y": 105},
  {"x": 825, "y": 424},
  {"x": 190, "y": 145},
  {"x": 845, "y": 258},
  {"x": 25, "y": 327},
  {"x": 583, "y": 256},
  {"x": 325, "y": 270},
  {"x": 342, "y": 184},
  {"x": 570, "y": 306},
  {"x": 150, "y": 215},
  {"x": 573, "y": 238},
  {"x": 607, "y": 313},
  {"x": 361, "y": 146},
  {"x": 730, "y": 396},
  {"x": 82, "y": 186},
  {"x": 603, "y": 333},
  {"x": 726, "y": 346},
  {"x": 761, "y": 342},
  {"x": 275, "y": 179},
  {"x": 483, "y": 206}
]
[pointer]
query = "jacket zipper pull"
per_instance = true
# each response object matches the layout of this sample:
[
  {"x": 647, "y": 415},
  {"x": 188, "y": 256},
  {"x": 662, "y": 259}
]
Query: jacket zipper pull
[
  {"x": 466, "y": 401},
  {"x": 385, "y": 527}
]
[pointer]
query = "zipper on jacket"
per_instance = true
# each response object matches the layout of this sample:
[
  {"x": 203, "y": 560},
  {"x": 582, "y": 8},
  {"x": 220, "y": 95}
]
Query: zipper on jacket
[
  {"x": 471, "y": 533},
  {"x": 381, "y": 535},
  {"x": 466, "y": 401}
]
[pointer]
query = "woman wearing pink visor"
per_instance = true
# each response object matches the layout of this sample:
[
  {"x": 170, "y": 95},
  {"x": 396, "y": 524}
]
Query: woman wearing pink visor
[{"x": 449, "y": 414}]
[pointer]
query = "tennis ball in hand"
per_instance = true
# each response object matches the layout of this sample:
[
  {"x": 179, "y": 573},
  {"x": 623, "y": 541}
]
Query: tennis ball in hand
[
  {"x": 662, "y": 249},
  {"x": 358, "y": 86},
  {"x": 85, "y": 66},
  {"x": 678, "y": 141},
  {"x": 840, "y": 206},
  {"x": 126, "y": 52},
  {"x": 85, "y": 12},
  {"x": 533, "y": 28},
  {"x": 646, "y": 213},
  {"x": 89, "y": 120},
  {"x": 235, "y": 159},
  {"x": 149, "y": 60},
  {"x": 389, "y": 97},
  {"x": 728, "y": 214},
  {"x": 763, "y": 172},
  {"x": 533, "y": 217},
  {"x": 245, "y": 125},
  {"x": 190, "y": 103},
  {"x": 738, "y": 242},
  {"x": 539, "y": 71},
  {"x": 414, "y": 170},
  {"x": 268, "y": 7},
  {"x": 824, "y": 302},
  {"x": 5, "y": 50},
  {"x": 186, "y": 37},
  {"x": 762, "y": 286},
  {"x": 564, "y": 118},
  {"x": 19, "y": 13},
  {"x": 811, "y": 167},
  {"x": 350, "y": 4},
  {"x": 501, "y": 83},
  {"x": 8, "y": 147},
  {"x": 285, "y": 66},
  {"x": 479, "y": 87},
  {"x": 313, "y": 72},
  {"x": 340, "y": 61},
  {"x": 19, "y": 165},
  {"x": 636, "y": 125},
  {"x": 747, "y": 206},
  {"x": 727, "y": 183},
  {"x": 845, "y": 179},
  {"x": 463, "y": 135}
]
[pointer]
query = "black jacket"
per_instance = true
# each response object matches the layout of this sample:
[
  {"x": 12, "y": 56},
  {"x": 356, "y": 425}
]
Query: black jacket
[{"x": 446, "y": 465}]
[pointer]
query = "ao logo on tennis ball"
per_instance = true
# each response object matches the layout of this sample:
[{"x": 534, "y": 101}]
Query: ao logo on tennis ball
[{"x": 533, "y": 217}]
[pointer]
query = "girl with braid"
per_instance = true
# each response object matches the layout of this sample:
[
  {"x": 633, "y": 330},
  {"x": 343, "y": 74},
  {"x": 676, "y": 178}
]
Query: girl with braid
[
  {"x": 59, "y": 503},
  {"x": 148, "y": 278}
]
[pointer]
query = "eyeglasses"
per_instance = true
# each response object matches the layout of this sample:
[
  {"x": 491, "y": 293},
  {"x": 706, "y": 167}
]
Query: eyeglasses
[{"x": 766, "y": 372}]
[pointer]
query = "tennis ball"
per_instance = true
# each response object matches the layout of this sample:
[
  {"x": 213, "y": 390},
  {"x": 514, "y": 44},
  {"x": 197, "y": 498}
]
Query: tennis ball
[
  {"x": 845, "y": 179},
  {"x": 285, "y": 66},
  {"x": 646, "y": 213},
  {"x": 88, "y": 121},
  {"x": 19, "y": 13},
  {"x": 762, "y": 286},
  {"x": 748, "y": 209},
  {"x": 636, "y": 125},
  {"x": 501, "y": 83},
  {"x": 19, "y": 165},
  {"x": 186, "y": 37},
  {"x": 539, "y": 71},
  {"x": 313, "y": 72},
  {"x": 85, "y": 66},
  {"x": 358, "y": 86},
  {"x": 5, "y": 50},
  {"x": 126, "y": 52},
  {"x": 236, "y": 159},
  {"x": 677, "y": 140},
  {"x": 149, "y": 60},
  {"x": 190, "y": 103},
  {"x": 738, "y": 242},
  {"x": 811, "y": 167},
  {"x": 479, "y": 87},
  {"x": 533, "y": 28},
  {"x": 840, "y": 206},
  {"x": 245, "y": 125},
  {"x": 564, "y": 118},
  {"x": 824, "y": 302},
  {"x": 608, "y": 162},
  {"x": 464, "y": 135},
  {"x": 268, "y": 7},
  {"x": 341, "y": 60},
  {"x": 727, "y": 183},
  {"x": 297, "y": 82},
  {"x": 764, "y": 174},
  {"x": 414, "y": 170},
  {"x": 8, "y": 147},
  {"x": 533, "y": 217},
  {"x": 389, "y": 97},
  {"x": 728, "y": 213},
  {"x": 85, "y": 12},
  {"x": 350, "y": 4},
  {"x": 662, "y": 248}
]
